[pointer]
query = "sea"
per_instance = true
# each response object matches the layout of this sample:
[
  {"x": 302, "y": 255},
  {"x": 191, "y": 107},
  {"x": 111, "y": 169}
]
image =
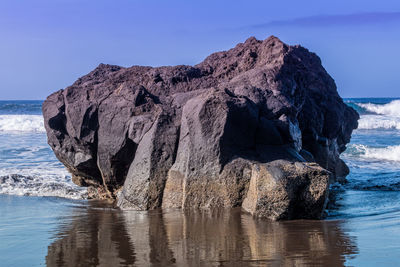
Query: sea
[{"x": 47, "y": 220}]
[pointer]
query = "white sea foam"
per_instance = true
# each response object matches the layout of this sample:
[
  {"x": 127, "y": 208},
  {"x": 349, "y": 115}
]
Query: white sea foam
[
  {"x": 390, "y": 153},
  {"x": 391, "y": 109},
  {"x": 55, "y": 183},
  {"x": 29, "y": 167},
  {"x": 21, "y": 123},
  {"x": 39, "y": 179},
  {"x": 378, "y": 122},
  {"x": 387, "y": 116}
]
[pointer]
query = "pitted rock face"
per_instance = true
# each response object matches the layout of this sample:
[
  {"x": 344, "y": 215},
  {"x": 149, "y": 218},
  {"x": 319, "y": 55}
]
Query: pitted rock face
[{"x": 195, "y": 136}]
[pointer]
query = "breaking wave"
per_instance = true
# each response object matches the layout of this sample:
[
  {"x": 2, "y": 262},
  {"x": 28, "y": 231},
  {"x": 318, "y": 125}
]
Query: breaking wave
[
  {"x": 379, "y": 116},
  {"x": 390, "y": 153},
  {"x": 21, "y": 124},
  {"x": 391, "y": 109},
  {"x": 378, "y": 122}
]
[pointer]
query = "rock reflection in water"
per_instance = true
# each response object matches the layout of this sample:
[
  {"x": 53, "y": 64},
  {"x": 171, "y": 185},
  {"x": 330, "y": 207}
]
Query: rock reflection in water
[{"x": 98, "y": 236}]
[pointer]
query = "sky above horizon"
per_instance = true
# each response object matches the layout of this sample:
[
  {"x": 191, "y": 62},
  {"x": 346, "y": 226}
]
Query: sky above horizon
[{"x": 47, "y": 44}]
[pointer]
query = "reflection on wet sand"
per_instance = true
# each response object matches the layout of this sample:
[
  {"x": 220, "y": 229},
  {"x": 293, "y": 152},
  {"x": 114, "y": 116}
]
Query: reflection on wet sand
[{"x": 99, "y": 236}]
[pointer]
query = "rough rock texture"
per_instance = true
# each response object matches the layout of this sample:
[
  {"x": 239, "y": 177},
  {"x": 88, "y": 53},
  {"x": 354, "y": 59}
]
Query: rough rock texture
[
  {"x": 281, "y": 189},
  {"x": 235, "y": 130}
]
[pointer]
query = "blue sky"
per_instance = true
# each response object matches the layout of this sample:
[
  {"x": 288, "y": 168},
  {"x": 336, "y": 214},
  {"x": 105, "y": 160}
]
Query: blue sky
[{"x": 45, "y": 45}]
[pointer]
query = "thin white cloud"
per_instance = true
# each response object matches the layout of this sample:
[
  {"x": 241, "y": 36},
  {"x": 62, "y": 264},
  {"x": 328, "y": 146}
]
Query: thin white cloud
[{"x": 335, "y": 20}]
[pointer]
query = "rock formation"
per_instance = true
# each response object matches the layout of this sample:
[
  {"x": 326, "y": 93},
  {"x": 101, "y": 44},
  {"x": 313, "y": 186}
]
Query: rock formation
[{"x": 259, "y": 126}]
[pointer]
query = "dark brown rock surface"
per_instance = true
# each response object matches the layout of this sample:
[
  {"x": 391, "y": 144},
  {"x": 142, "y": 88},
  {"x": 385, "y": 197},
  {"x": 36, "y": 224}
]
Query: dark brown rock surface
[{"x": 201, "y": 136}]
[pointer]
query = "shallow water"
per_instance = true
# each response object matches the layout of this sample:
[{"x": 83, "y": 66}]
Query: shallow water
[
  {"x": 58, "y": 232},
  {"x": 56, "y": 226},
  {"x": 80, "y": 233}
]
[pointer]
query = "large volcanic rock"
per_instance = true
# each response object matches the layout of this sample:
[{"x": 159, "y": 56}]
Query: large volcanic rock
[{"x": 259, "y": 126}]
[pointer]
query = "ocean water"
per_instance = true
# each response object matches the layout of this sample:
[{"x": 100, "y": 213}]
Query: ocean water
[
  {"x": 46, "y": 220},
  {"x": 27, "y": 165}
]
